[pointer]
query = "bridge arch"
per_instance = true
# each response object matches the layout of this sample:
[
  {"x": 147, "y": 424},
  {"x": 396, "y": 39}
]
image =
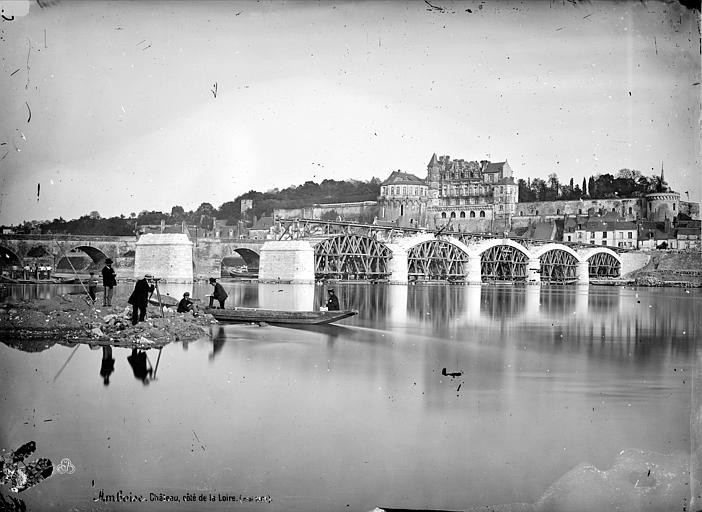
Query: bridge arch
[
  {"x": 9, "y": 259},
  {"x": 437, "y": 258},
  {"x": 502, "y": 260},
  {"x": 73, "y": 258},
  {"x": 351, "y": 256},
  {"x": 558, "y": 263},
  {"x": 603, "y": 263}
]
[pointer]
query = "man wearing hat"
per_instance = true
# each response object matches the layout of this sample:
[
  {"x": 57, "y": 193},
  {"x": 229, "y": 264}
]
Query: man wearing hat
[
  {"x": 333, "y": 302},
  {"x": 109, "y": 281},
  {"x": 139, "y": 298},
  {"x": 218, "y": 293},
  {"x": 185, "y": 305}
]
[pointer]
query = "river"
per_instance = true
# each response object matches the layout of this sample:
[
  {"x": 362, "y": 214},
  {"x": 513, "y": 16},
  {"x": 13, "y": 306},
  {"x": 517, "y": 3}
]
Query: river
[{"x": 360, "y": 414}]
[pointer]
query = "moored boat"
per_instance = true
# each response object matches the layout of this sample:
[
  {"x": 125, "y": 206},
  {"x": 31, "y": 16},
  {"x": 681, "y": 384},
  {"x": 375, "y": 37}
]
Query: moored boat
[{"x": 277, "y": 316}]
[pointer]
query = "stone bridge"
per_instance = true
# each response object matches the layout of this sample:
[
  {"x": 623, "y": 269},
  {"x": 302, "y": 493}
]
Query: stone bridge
[
  {"x": 394, "y": 257},
  {"x": 21, "y": 250}
]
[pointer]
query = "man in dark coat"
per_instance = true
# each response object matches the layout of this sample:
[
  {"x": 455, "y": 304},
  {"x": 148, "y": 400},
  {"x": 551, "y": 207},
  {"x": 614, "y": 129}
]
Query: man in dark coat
[
  {"x": 109, "y": 281},
  {"x": 333, "y": 301},
  {"x": 218, "y": 293},
  {"x": 139, "y": 298},
  {"x": 185, "y": 305}
]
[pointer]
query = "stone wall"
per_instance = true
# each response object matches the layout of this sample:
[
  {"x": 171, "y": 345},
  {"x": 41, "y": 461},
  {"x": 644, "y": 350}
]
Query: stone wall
[
  {"x": 630, "y": 209},
  {"x": 691, "y": 209},
  {"x": 351, "y": 212}
]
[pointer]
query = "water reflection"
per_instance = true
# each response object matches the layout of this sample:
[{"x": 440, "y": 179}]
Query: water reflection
[
  {"x": 107, "y": 366},
  {"x": 138, "y": 361},
  {"x": 546, "y": 376}
]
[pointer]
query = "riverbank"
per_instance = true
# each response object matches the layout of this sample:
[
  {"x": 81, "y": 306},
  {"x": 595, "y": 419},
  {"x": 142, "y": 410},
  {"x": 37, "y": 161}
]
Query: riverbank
[
  {"x": 678, "y": 269},
  {"x": 69, "y": 319}
]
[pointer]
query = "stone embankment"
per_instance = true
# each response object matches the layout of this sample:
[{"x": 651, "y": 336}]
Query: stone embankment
[
  {"x": 670, "y": 269},
  {"x": 75, "y": 319}
]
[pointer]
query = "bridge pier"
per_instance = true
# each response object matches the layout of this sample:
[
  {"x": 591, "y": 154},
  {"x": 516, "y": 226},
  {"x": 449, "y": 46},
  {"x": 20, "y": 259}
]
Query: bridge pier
[
  {"x": 534, "y": 271},
  {"x": 583, "y": 272},
  {"x": 167, "y": 256},
  {"x": 472, "y": 266},
  {"x": 290, "y": 261},
  {"x": 398, "y": 266}
]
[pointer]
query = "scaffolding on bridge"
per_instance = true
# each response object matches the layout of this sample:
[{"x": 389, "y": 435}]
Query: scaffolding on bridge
[
  {"x": 503, "y": 263},
  {"x": 351, "y": 257},
  {"x": 603, "y": 265},
  {"x": 558, "y": 266},
  {"x": 436, "y": 260}
]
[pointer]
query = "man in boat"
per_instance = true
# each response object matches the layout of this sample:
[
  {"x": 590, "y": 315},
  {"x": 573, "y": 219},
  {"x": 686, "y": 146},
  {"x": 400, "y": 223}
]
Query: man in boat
[
  {"x": 109, "y": 281},
  {"x": 139, "y": 298},
  {"x": 218, "y": 293},
  {"x": 333, "y": 301},
  {"x": 186, "y": 305}
]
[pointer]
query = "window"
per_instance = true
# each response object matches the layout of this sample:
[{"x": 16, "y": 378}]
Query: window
[
  {"x": 482, "y": 214},
  {"x": 472, "y": 215},
  {"x": 629, "y": 234},
  {"x": 404, "y": 191},
  {"x": 521, "y": 214},
  {"x": 402, "y": 210},
  {"x": 604, "y": 234},
  {"x": 592, "y": 234},
  {"x": 463, "y": 215},
  {"x": 499, "y": 207},
  {"x": 453, "y": 215},
  {"x": 443, "y": 215},
  {"x": 580, "y": 211},
  {"x": 630, "y": 210},
  {"x": 673, "y": 206},
  {"x": 569, "y": 238},
  {"x": 537, "y": 212},
  {"x": 382, "y": 191},
  {"x": 558, "y": 211},
  {"x": 604, "y": 242}
]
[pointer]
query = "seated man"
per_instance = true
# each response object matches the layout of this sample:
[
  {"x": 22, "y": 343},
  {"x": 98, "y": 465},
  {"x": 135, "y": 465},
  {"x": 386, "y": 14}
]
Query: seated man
[{"x": 185, "y": 305}]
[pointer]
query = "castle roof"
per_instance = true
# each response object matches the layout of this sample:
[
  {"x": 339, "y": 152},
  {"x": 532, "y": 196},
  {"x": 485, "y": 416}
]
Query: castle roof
[
  {"x": 403, "y": 178},
  {"x": 603, "y": 225},
  {"x": 495, "y": 166},
  {"x": 433, "y": 161}
]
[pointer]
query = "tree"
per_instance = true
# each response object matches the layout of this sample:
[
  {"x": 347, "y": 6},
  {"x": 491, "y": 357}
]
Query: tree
[
  {"x": 584, "y": 188},
  {"x": 177, "y": 213}
]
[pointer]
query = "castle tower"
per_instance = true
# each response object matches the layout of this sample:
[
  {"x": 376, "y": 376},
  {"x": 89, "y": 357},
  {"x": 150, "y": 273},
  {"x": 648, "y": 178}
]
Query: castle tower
[{"x": 433, "y": 176}]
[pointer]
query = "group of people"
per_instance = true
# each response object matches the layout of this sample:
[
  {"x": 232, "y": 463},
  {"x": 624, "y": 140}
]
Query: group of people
[{"x": 144, "y": 287}]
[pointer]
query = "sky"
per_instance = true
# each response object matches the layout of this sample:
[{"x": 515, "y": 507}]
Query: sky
[{"x": 119, "y": 107}]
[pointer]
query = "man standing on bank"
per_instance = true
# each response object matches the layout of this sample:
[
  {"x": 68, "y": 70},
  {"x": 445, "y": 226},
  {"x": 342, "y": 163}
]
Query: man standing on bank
[
  {"x": 139, "y": 298},
  {"x": 333, "y": 302},
  {"x": 218, "y": 293},
  {"x": 109, "y": 281}
]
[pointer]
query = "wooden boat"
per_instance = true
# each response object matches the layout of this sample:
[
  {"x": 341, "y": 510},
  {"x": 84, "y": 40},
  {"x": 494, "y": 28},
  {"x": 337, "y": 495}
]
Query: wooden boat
[
  {"x": 276, "y": 316},
  {"x": 237, "y": 274}
]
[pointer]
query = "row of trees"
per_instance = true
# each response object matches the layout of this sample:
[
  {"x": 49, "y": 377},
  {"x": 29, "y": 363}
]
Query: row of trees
[
  {"x": 626, "y": 183},
  {"x": 328, "y": 191}
]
